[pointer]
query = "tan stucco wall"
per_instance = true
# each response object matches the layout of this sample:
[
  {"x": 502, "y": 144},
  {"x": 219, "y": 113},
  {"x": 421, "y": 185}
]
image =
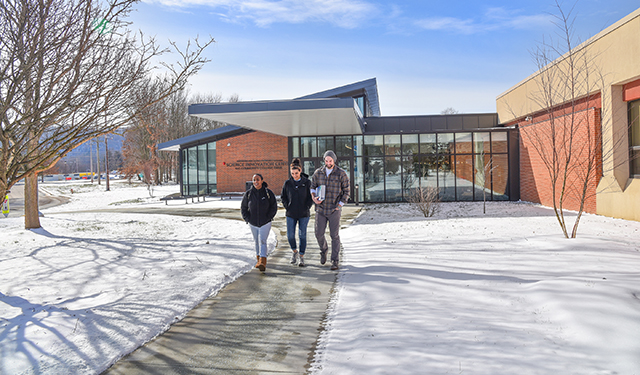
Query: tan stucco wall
[{"x": 616, "y": 53}]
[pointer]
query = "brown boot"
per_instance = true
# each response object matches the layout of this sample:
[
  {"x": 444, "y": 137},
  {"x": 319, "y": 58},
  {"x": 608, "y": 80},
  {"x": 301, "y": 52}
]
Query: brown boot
[
  {"x": 262, "y": 265},
  {"x": 257, "y": 261}
]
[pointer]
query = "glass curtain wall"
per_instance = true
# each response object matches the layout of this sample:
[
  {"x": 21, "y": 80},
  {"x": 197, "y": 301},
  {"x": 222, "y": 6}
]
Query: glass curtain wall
[
  {"x": 462, "y": 166},
  {"x": 199, "y": 175}
]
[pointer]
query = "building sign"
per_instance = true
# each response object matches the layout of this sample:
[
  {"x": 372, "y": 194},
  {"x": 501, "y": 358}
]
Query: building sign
[{"x": 258, "y": 164}]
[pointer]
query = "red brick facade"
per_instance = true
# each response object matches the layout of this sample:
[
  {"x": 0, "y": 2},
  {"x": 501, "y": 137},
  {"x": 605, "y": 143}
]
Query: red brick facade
[
  {"x": 238, "y": 158},
  {"x": 578, "y": 131}
]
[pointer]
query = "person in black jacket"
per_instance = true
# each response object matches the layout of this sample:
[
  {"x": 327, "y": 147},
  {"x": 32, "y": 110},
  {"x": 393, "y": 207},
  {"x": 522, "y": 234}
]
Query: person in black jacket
[
  {"x": 296, "y": 198},
  {"x": 258, "y": 208}
]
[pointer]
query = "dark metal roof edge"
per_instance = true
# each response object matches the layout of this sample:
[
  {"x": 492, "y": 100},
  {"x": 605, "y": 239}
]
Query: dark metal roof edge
[
  {"x": 218, "y": 133},
  {"x": 368, "y": 86},
  {"x": 438, "y": 115},
  {"x": 272, "y": 105},
  {"x": 361, "y": 85}
]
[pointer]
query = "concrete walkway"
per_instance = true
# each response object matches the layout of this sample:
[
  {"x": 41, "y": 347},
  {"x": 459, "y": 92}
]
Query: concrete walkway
[{"x": 262, "y": 323}]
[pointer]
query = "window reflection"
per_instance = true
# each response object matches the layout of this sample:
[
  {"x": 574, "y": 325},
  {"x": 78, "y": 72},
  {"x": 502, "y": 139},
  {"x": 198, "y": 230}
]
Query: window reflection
[
  {"x": 374, "y": 179},
  {"x": 463, "y": 143},
  {"x": 499, "y": 142},
  {"x": 444, "y": 143},
  {"x": 324, "y": 144},
  {"x": 392, "y": 145},
  {"x": 409, "y": 144},
  {"x": 428, "y": 143},
  {"x": 373, "y": 145},
  {"x": 344, "y": 146},
  {"x": 308, "y": 146},
  {"x": 388, "y": 168},
  {"x": 464, "y": 177},
  {"x": 211, "y": 166}
]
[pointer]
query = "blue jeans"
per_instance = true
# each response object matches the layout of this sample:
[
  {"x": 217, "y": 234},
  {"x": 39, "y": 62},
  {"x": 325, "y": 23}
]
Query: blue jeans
[
  {"x": 302, "y": 232},
  {"x": 260, "y": 235}
]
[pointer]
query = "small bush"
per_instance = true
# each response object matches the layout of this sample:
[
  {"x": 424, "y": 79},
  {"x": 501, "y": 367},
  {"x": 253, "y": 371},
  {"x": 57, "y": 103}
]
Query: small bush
[{"x": 425, "y": 200}]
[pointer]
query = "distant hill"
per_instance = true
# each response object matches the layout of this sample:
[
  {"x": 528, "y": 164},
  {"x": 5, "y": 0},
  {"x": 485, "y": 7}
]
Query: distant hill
[{"x": 77, "y": 160}]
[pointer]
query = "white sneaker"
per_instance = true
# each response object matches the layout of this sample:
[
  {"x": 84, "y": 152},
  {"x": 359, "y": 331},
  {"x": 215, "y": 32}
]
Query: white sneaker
[
  {"x": 294, "y": 257},
  {"x": 301, "y": 263}
]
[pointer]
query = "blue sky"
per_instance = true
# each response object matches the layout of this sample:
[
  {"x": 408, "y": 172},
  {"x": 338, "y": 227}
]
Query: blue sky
[{"x": 426, "y": 55}]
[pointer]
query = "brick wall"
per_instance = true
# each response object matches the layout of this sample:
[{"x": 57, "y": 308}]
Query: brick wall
[
  {"x": 239, "y": 158},
  {"x": 579, "y": 132}
]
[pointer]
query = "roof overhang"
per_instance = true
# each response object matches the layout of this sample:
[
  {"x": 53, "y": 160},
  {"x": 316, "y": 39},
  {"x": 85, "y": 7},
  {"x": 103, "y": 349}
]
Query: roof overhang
[
  {"x": 290, "y": 118},
  {"x": 208, "y": 136}
]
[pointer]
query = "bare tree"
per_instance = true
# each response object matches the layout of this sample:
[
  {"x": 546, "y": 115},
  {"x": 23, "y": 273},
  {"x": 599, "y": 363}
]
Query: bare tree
[
  {"x": 64, "y": 66},
  {"x": 449, "y": 111},
  {"x": 566, "y": 135},
  {"x": 166, "y": 120}
]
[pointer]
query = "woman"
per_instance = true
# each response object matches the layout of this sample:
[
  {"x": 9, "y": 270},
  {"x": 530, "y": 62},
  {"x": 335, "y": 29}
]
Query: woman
[
  {"x": 296, "y": 199},
  {"x": 258, "y": 209}
]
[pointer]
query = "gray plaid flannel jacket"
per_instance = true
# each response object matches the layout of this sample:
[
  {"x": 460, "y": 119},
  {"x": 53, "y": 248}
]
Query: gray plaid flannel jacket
[{"x": 337, "y": 184}]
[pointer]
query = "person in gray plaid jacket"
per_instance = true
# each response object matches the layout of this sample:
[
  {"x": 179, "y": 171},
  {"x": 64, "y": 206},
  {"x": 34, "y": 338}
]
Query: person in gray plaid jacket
[{"x": 335, "y": 182}]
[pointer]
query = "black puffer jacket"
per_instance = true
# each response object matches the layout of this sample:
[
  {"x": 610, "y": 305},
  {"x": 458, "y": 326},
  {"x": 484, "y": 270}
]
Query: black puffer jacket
[
  {"x": 296, "y": 197},
  {"x": 258, "y": 206}
]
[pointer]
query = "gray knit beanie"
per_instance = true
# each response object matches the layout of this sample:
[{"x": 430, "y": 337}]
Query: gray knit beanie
[{"x": 330, "y": 154}]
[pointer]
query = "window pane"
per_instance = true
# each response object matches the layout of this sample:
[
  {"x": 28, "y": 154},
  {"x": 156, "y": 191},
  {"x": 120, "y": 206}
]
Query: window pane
[
  {"x": 202, "y": 168},
  {"x": 309, "y": 148},
  {"x": 372, "y": 145},
  {"x": 445, "y": 143},
  {"x": 360, "y": 102},
  {"x": 410, "y": 175},
  {"x": 446, "y": 179},
  {"x": 193, "y": 171},
  {"x": 409, "y": 144},
  {"x": 427, "y": 143},
  {"x": 358, "y": 145},
  {"x": 309, "y": 167},
  {"x": 185, "y": 172},
  {"x": 482, "y": 177},
  {"x": 374, "y": 179},
  {"x": 464, "y": 177},
  {"x": 392, "y": 144},
  {"x": 211, "y": 167},
  {"x": 346, "y": 165},
  {"x": 463, "y": 143},
  {"x": 482, "y": 143},
  {"x": 295, "y": 147},
  {"x": 499, "y": 176},
  {"x": 358, "y": 180},
  {"x": 635, "y": 163},
  {"x": 499, "y": 142},
  {"x": 324, "y": 144},
  {"x": 344, "y": 146},
  {"x": 393, "y": 172}
]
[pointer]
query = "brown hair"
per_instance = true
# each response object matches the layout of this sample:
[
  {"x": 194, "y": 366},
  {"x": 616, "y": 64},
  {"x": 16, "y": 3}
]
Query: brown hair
[{"x": 295, "y": 164}]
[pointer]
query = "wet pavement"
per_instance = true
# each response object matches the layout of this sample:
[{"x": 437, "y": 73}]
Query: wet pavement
[
  {"x": 45, "y": 200},
  {"x": 262, "y": 323}
]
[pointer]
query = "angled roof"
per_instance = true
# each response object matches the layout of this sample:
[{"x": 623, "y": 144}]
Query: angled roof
[
  {"x": 367, "y": 87},
  {"x": 328, "y": 112}
]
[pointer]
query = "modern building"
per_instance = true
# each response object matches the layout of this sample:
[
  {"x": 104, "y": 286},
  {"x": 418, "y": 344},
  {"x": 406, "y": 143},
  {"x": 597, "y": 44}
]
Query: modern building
[
  {"x": 465, "y": 156},
  {"x": 491, "y": 156},
  {"x": 605, "y": 111}
]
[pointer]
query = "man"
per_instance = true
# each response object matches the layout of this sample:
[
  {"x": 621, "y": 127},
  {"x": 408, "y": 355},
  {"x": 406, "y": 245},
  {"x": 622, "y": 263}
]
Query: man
[{"x": 334, "y": 186}]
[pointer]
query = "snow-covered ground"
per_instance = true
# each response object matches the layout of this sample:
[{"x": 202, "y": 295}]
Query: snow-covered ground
[
  {"x": 87, "y": 287},
  {"x": 469, "y": 293},
  {"x": 461, "y": 293}
]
